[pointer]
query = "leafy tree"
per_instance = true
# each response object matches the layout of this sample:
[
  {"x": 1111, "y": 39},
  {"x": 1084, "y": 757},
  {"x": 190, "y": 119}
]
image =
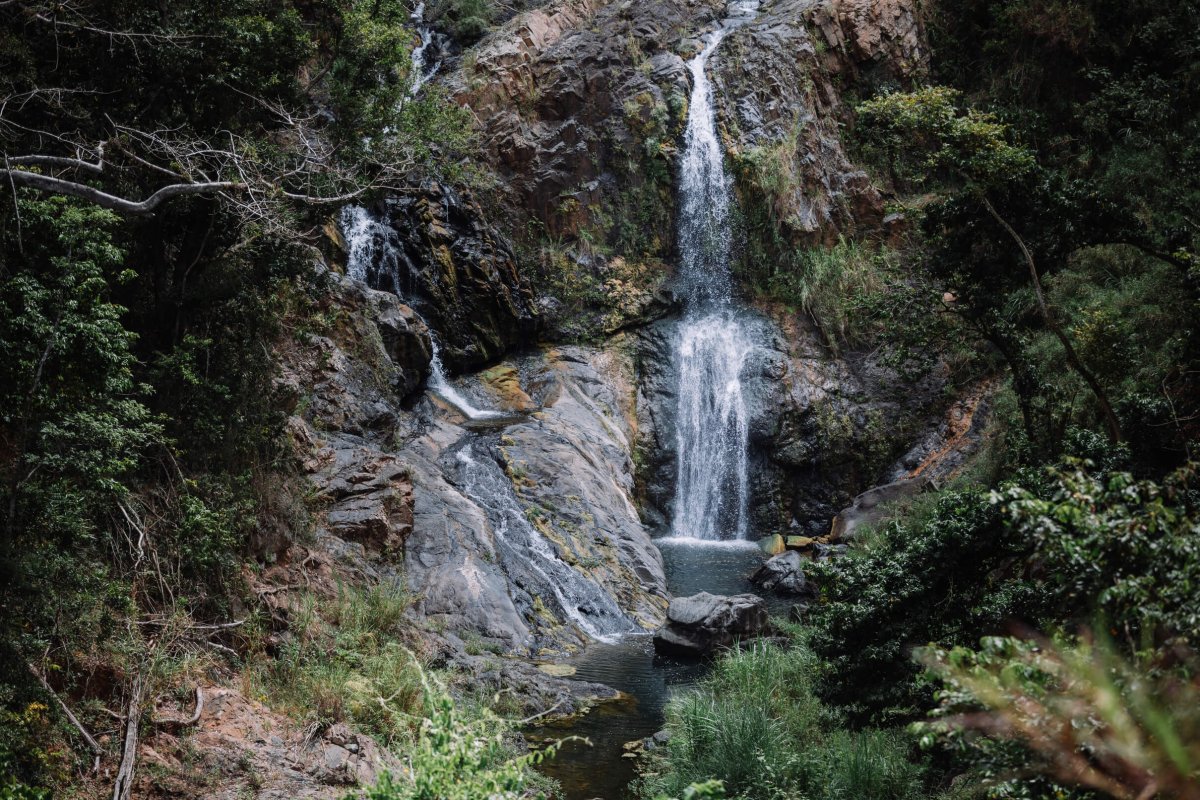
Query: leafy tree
[{"x": 971, "y": 150}]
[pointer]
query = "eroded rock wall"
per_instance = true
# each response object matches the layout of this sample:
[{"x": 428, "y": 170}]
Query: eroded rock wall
[{"x": 398, "y": 501}]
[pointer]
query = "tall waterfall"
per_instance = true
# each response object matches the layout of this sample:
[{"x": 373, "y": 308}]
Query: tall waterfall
[{"x": 712, "y": 344}]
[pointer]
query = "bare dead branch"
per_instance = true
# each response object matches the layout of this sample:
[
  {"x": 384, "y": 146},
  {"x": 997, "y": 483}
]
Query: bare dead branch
[
  {"x": 82, "y": 191},
  {"x": 123, "y": 787},
  {"x": 57, "y": 161},
  {"x": 74, "y": 720},
  {"x": 192, "y": 720}
]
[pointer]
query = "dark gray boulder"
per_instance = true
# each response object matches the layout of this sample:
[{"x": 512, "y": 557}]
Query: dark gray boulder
[
  {"x": 784, "y": 574},
  {"x": 703, "y": 623}
]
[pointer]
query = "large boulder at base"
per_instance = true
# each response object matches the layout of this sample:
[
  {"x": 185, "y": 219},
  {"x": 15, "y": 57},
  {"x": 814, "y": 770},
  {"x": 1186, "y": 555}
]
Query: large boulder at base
[
  {"x": 700, "y": 624},
  {"x": 784, "y": 574}
]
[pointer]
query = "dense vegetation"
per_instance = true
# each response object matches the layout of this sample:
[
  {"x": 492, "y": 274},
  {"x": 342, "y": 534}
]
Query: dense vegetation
[
  {"x": 1048, "y": 174},
  {"x": 1030, "y": 631},
  {"x": 166, "y": 168}
]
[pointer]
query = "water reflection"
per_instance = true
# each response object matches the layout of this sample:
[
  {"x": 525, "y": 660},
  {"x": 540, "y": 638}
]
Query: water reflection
[{"x": 648, "y": 680}]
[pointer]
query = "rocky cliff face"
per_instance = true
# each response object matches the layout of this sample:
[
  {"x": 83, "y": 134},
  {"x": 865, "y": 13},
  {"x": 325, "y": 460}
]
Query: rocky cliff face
[
  {"x": 518, "y": 527},
  {"x": 580, "y": 104}
]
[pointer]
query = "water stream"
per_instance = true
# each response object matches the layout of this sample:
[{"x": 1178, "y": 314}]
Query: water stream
[
  {"x": 424, "y": 68},
  {"x": 373, "y": 257},
  {"x": 707, "y": 548}
]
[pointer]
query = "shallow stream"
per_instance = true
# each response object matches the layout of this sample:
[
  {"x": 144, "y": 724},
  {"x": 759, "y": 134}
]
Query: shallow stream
[{"x": 647, "y": 680}]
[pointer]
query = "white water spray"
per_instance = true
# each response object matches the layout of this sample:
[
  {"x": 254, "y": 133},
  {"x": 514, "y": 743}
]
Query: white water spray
[
  {"x": 373, "y": 258},
  {"x": 531, "y": 560},
  {"x": 712, "y": 344}
]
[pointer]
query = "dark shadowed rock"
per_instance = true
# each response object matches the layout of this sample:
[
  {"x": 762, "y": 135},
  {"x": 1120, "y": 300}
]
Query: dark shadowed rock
[
  {"x": 703, "y": 623},
  {"x": 784, "y": 574},
  {"x": 440, "y": 254},
  {"x": 462, "y": 275}
]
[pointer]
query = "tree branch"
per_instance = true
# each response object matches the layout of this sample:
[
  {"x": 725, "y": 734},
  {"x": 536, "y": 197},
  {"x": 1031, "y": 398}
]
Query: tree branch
[
  {"x": 1110, "y": 418},
  {"x": 58, "y": 161},
  {"x": 74, "y": 720},
  {"x": 82, "y": 191}
]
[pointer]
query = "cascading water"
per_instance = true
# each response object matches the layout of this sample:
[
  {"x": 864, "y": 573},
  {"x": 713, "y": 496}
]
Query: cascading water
[
  {"x": 373, "y": 258},
  {"x": 712, "y": 344},
  {"x": 423, "y": 68},
  {"x": 565, "y": 590}
]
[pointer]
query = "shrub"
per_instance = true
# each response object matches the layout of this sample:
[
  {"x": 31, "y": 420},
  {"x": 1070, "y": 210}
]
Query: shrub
[
  {"x": 343, "y": 662},
  {"x": 755, "y": 725},
  {"x": 941, "y": 574},
  {"x": 461, "y": 754}
]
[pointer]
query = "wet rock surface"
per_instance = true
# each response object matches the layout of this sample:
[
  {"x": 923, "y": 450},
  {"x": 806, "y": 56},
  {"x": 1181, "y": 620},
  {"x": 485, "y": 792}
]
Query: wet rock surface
[
  {"x": 822, "y": 428},
  {"x": 441, "y": 253},
  {"x": 704, "y": 623},
  {"x": 563, "y": 476},
  {"x": 519, "y": 527},
  {"x": 784, "y": 574}
]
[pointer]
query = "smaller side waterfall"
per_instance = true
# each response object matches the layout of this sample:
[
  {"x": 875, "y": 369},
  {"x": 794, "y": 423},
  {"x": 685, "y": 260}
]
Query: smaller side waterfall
[
  {"x": 373, "y": 258},
  {"x": 423, "y": 67},
  {"x": 531, "y": 561}
]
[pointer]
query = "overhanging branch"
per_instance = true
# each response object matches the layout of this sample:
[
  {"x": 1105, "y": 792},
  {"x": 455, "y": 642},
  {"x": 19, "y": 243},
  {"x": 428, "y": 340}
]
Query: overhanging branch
[{"x": 47, "y": 183}]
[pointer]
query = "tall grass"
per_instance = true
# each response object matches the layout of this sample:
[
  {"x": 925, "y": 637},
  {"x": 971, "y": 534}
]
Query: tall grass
[
  {"x": 344, "y": 661},
  {"x": 827, "y": 283},
  {"x": 755, "y": 724}
]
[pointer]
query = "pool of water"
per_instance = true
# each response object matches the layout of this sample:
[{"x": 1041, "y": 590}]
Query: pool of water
[{"x": 647, "y": 680}]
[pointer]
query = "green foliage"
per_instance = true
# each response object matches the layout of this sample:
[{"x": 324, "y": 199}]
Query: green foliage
[
  {"x": 924, "y": 133},
  {"x": 708, "y": 790},
  {"x": 1052, "y": 550},
  {"x": 71, "y": 408},
  {"x": 344, "y": 661},
  {"x": 461, "y": 751},
  {"x": 755, "y": 724},
  {"x": 11, "y": 789},
  {"x": 1074, "y": 713},
  {"x": 468, "y": 20},
  {"x": 830, "y": 284},
  {"x": 73, "y": 431},
  {"x": 939, "y": 574},
  {"x": 1126, "y": 549},
  {"x": 379, "y": 58}
]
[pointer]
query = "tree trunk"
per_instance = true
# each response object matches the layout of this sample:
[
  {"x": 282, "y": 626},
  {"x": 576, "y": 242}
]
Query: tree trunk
[{"x": 1110, "y": 418}]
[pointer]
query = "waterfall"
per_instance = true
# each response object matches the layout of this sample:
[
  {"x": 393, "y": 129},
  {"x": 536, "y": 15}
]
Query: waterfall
[
  {"x": 531, "y": 561},
  {"x": 422, "y": 70},
  {"x": 711, "y": 344},
  {"x": 374, "y": 258}
]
